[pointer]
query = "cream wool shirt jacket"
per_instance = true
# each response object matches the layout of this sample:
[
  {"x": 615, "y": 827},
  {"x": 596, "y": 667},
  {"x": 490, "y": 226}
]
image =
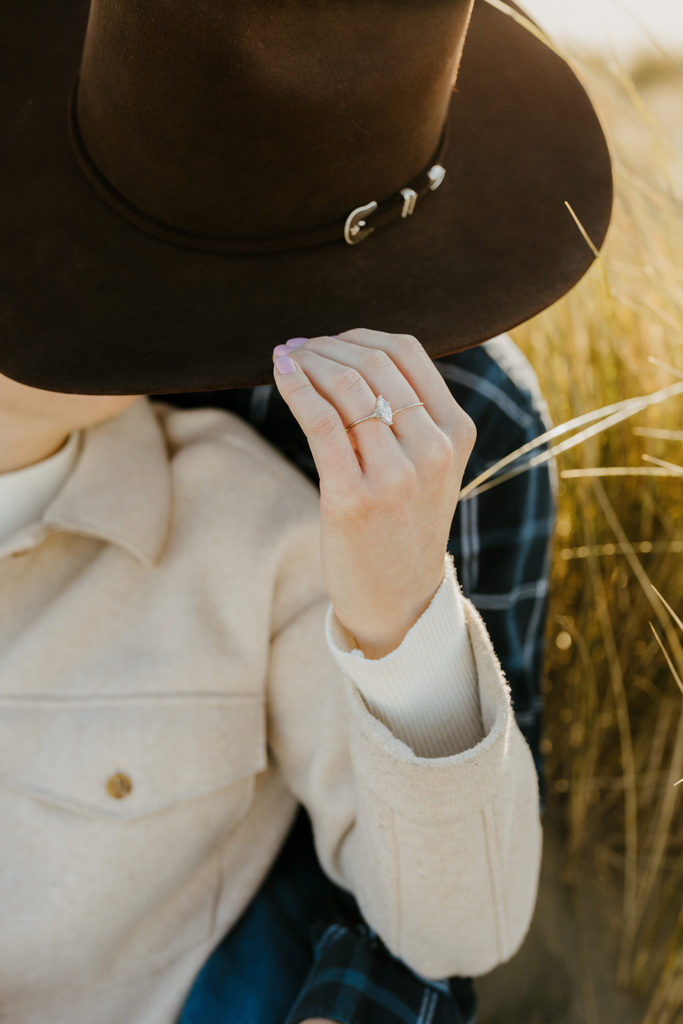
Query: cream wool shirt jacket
[{"x": 173, "y": 680}]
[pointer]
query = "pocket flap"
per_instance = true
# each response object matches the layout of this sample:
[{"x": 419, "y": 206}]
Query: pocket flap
[{"x": 126, "y": 757}]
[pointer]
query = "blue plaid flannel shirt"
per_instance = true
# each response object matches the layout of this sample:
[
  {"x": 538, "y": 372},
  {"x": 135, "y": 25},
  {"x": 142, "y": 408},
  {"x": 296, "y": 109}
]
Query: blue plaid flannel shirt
[{"x": 501, "y": 547}]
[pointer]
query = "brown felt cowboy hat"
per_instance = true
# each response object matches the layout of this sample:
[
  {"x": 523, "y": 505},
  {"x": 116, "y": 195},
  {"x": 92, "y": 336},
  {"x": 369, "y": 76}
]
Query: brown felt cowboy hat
[{"x": 187, "y": 183}]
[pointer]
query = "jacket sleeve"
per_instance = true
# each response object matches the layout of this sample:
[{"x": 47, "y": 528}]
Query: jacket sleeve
[{"x": 442, "y": 853}]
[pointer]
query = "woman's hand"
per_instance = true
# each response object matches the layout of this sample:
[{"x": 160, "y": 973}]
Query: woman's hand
[{"x": 387, "y": 493}]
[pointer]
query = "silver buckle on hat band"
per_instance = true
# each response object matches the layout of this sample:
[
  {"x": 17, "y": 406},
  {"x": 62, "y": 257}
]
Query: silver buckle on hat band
[
  {"x": 355, "y": 229},
  {"x": 352, "y": 229}
]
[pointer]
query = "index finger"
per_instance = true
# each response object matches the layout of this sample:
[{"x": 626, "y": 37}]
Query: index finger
[{"x": 333, "y": 453}]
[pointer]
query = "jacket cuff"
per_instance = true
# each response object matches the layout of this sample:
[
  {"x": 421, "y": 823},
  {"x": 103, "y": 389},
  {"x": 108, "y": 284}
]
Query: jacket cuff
[
  {"x": 425, "y": 691},
  {"x": 462, "y": 783}
]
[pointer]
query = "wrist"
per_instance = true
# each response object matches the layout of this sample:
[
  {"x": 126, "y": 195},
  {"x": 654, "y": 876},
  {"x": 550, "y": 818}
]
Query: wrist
[
  {"x": 375, "y": 647},
  {"x": 374, "y": 650}
]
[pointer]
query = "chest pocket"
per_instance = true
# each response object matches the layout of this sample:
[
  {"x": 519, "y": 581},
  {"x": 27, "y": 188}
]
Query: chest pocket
[
  {"x": 124, "y": 758},
  {"x": 118, "y": 807}
]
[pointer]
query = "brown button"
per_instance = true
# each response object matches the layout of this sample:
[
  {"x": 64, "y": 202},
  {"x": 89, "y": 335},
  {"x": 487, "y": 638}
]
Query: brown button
[{"x": 119, "y": 785}]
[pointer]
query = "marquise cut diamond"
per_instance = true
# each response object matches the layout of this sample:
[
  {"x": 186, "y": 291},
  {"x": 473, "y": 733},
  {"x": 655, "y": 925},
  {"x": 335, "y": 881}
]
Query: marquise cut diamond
[{"x": 383, "y": 410}]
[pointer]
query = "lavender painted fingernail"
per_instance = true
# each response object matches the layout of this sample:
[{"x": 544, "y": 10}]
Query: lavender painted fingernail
[
  {"x": 284, "y": 364},
  {"x": 296, "y": 342}
]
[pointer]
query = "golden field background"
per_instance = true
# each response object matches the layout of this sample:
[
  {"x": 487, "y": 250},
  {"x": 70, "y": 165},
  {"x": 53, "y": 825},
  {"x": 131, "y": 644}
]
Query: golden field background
[{"x": 614, "y": 712}]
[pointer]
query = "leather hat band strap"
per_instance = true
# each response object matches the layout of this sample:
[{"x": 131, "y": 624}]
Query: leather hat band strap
[{"x": 360, "y": 222}]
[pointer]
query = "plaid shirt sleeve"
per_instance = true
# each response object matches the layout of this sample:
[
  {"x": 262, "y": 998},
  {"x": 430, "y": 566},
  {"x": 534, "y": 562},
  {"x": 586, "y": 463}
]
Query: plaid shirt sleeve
[{"x": 500, "y": 541}]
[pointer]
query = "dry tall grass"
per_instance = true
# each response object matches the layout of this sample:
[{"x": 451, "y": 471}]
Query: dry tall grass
[{"x": 614, "y": 735}]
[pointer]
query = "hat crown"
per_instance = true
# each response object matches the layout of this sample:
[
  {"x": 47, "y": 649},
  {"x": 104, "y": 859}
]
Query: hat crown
[
  {"x": 261, "y": 117},
  {"x": 267, "y": 116}
]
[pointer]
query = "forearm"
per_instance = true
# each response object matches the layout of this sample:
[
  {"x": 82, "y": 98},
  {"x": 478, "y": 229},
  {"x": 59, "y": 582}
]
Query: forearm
[{"x": 441, "y": 853}]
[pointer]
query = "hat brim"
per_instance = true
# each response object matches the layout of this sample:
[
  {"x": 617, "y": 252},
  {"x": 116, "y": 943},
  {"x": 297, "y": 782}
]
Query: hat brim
[{"x": 92, "y": 305}]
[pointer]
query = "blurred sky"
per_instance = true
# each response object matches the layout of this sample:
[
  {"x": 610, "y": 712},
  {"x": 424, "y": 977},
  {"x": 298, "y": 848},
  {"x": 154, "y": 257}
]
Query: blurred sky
[{"x": 607, "y": 26}]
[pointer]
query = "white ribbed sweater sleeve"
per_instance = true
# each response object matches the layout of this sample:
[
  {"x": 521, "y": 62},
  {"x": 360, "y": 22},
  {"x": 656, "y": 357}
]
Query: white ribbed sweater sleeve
[{"x": 425, "y": 691}]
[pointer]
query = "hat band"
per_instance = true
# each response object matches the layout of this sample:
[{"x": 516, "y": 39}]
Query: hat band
[{"x": 352, "y": 230}]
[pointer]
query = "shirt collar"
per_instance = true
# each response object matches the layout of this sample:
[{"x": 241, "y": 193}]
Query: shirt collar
[{"x": 120, "y": 488}]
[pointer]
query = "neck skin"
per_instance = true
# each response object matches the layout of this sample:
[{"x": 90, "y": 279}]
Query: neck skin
[
  {"x": 35, "y": 424},
  {"x": 25, "y": 444}
]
